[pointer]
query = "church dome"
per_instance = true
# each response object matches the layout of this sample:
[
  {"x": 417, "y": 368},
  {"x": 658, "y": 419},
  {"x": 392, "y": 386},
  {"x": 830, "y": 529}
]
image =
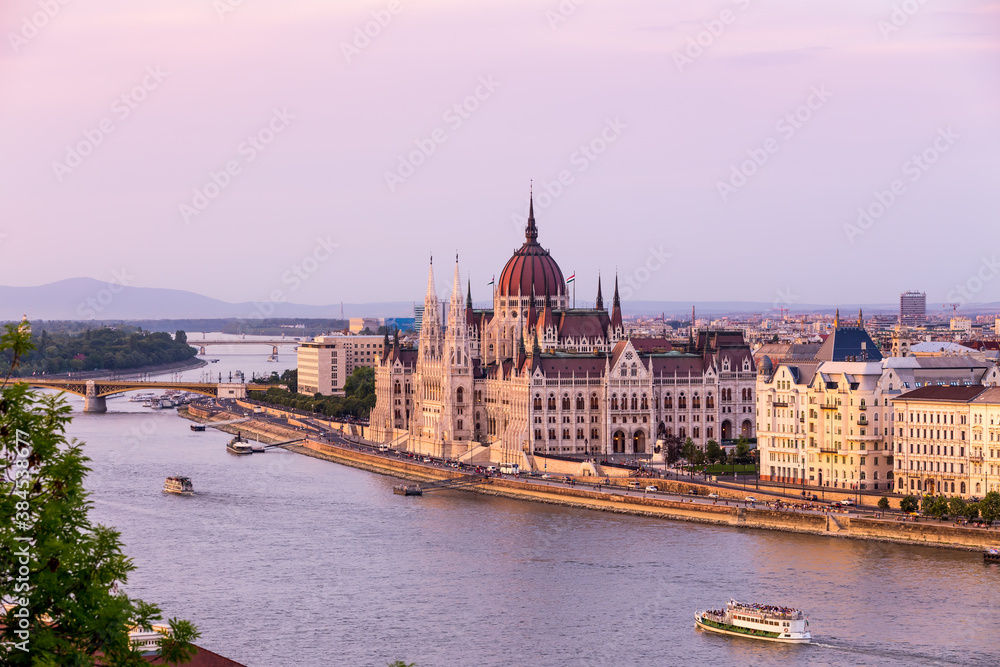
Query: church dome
[{"x": 531, "y": 270}]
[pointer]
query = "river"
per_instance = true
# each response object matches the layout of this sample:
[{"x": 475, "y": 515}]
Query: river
[{"x": 282, "y": 559}]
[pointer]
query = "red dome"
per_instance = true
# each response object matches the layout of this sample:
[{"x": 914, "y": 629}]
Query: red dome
[{"x": 531, "y": 270}]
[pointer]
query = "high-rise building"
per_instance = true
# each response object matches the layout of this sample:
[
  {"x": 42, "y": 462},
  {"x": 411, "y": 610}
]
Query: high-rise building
[
  {"x": 418, "y": 317},
  {"x": 912, "y": 308},
  {"x": 325, "y": 362}
]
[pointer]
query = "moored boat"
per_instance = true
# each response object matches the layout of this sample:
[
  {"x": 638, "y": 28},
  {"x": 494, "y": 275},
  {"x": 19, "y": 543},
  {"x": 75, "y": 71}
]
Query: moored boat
[
  {"x": 198, "y": 427},
  {"x": 180, "y": 485},
  {"x": 991, "y": 555},
  {"x": 238, "y": 446},
  {"x": 757, "y": 621}
]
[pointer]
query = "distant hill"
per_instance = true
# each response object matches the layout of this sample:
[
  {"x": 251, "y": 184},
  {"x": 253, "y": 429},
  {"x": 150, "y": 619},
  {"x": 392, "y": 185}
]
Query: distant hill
[{"x": 89, "y": 299}]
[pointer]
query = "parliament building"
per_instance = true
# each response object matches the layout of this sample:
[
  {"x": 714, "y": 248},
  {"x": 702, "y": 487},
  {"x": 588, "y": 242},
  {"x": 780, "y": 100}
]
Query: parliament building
[{"x": 533, "y": 375}]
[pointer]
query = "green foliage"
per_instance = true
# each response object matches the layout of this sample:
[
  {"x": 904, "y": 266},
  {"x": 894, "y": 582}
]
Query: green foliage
[
  {"x": 400, "y": 663},
  {"x": 712, "y": 451},
  {"x": 971, "y": 511},
  {"x": 358, "y": 401},
  {"x": 98, "y": 349},
  {"x": 956, "y": 506},
  {"x": 883, "y": 503},
  {"x": 64, "y": 572},
  {"x": 742, "y": 448},
  {"x": 289, "y": 378},
  {"x": 908, "y": 504},
  {"x": 989, "y": 506}
]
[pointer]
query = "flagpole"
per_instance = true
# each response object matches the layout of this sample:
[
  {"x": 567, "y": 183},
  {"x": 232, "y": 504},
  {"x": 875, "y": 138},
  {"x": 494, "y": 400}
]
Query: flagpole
[{"x": 574, "y": 289}]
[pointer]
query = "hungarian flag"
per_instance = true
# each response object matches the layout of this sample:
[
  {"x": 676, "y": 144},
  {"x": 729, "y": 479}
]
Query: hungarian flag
[
  {"x": 492, "y": 281},
  {"x": 571, "y": 278}
]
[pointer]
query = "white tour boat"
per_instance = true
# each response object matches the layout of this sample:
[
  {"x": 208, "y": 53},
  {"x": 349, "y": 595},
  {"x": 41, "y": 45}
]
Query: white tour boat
[
  {"x": 179, "y": 485},
  {"x": 757, "y": 621}
]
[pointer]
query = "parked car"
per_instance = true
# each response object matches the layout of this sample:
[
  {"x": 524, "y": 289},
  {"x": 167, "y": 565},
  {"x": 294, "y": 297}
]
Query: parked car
[
  {"x": 814, "y": 498},
  {"x": 652, "y": 487},
  {"x": 847, "y": 503},
  {"x": 634, "y": 485},
  {"x": 546, "y": 476},
  {"x": 836, "y": 503},
  {"x": 750, "y": 499},
  {"x": 713, "y": 495}
]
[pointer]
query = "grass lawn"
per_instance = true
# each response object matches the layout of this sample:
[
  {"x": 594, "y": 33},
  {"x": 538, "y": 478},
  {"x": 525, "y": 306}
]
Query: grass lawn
[{"x": 729, "y": 468}]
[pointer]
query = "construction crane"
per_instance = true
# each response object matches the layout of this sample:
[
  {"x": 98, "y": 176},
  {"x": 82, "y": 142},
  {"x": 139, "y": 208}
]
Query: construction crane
[
  {"x": 954, "y": 307},
  {"x": 782, "y": 310}
]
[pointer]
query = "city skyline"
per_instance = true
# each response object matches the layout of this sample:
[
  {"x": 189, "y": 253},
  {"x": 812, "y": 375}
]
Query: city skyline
[{"x": 802, "y": 150}]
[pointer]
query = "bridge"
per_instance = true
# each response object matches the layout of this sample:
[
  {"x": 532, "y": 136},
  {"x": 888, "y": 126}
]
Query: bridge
[
  {"x": 95, "y": 392},
  {"x": 203, "y": 343}
]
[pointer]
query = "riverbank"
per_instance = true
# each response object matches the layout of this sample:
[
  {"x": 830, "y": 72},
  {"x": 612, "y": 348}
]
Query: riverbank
[{"x": 617, "y": 500}]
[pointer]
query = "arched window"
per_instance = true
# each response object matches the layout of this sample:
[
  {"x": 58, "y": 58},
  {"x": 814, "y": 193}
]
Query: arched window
[
  {"x": 538, "y": 402},
  {"x": 963, "y": 488},
  {"x": 645, "y": 402},
  {"x": 460, "y": 395},
  {"x": 682, "y": 401},
  {"x": 565, "y": 402},
  {"x": 696, "y": 401},
  {"x": 614, "y": 401},
  {"x": 635, "y": 399},
  {"x": 580, "y": 404},
  {"x": 668, "y": 402},
  {"x": 552, "y": 401},
  {"x": 709, "y": 401},
  {"x": 396, "y": 389},
  {"x": 594, "y": 405}
]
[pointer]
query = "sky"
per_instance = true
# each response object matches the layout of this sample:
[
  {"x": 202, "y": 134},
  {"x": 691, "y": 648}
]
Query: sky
[{"x": 829, "y": 151}]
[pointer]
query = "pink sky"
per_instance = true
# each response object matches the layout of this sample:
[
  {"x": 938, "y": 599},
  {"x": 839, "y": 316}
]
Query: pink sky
[{"x": 672, "y": 131}]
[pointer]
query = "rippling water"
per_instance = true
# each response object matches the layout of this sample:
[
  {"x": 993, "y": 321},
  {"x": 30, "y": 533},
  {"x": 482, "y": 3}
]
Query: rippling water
[{"x": 281, "y": 559}]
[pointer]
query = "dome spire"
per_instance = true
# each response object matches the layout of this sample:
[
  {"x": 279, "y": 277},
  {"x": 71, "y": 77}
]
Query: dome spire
[
  {"x": 600, "y": 299},
  {"x": 531, "y": 231}
]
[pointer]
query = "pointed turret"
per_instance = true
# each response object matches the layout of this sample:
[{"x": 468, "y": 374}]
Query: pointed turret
[
  {"x": 616, "y": 309},
  {"x": 532, "y": 312},
  {"x": 546, "y": 319},
  {"x": 861, "y": 319},
  {"x": 430, "y": 330},
  {"x": 531, "y": 231},
  {"x": 600, "y": 299},
  {"x": 836, "y": 319},
  {"x": 691, "y": 331},
  {"x": 470, "y": 316},
  {"x": 536, "y": 352}
]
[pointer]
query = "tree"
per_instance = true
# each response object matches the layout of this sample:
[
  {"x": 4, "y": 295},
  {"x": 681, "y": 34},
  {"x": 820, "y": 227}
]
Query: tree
[
  {"x": 672, "y": 449},
  {"x": 971, "y": 511},
  {"x": 742, "y": 448},
  {"x": 689, "y": 451},
  {"x": 883, "y": 503},
  {"x": 989, "y": 506},
  {"x": 712, "y": 451},
  {"x": 956, "y": 506},
  {"x": 60, "y": 574},
  {"x": 908, "y": 504},
  {"x": 926, "y": 503},
  {"x": 180, "y": 336}
]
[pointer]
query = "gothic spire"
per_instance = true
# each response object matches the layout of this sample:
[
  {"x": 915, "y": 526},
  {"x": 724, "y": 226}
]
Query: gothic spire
[
  {"x": 861, "y": 319},
  {"x": 468, "y": 298},
  {"x": 836, "y": 319},
  {"x": 531, "y": 231},
  {"x": 616, "y": 308},
  {"x": 600, "y": 299},
  {"x": 430, "y": 281}
]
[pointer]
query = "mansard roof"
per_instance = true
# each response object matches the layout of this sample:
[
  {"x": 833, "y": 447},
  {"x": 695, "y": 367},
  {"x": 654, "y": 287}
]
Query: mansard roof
[
  {"x": 573, "y": 364},
  {"x": 849, "y": 344},
  {"x": 580, "y": 322},
  {"x": 962, "y": 394}
]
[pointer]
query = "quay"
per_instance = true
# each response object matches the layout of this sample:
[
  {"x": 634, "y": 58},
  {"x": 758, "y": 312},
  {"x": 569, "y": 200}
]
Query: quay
[{"x": 677, "y": 500}]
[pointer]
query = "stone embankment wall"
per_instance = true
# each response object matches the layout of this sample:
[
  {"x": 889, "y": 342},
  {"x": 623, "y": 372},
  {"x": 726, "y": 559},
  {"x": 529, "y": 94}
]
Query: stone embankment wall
[{"x": 724, "y": 512}]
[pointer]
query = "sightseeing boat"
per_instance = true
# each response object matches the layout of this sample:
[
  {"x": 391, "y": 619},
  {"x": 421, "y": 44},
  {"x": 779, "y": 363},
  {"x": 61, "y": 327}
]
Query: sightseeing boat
[
  {"x": 180, "y": 485},
  {"x": 991, "y": 555},
  {"x": 239, "y": 446},
  {"x": 757, "y": 621}
]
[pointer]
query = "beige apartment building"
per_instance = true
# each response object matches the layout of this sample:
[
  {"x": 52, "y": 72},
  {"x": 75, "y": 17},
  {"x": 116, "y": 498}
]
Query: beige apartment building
[
  {"x": 948, "y": 441},
  {"x": 325, "y": 362},
  {"x": 829, "y": 421}
]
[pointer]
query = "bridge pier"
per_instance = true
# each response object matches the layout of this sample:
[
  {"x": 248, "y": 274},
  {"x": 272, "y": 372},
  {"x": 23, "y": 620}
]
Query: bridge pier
[{"x": 92, "y": 402}]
